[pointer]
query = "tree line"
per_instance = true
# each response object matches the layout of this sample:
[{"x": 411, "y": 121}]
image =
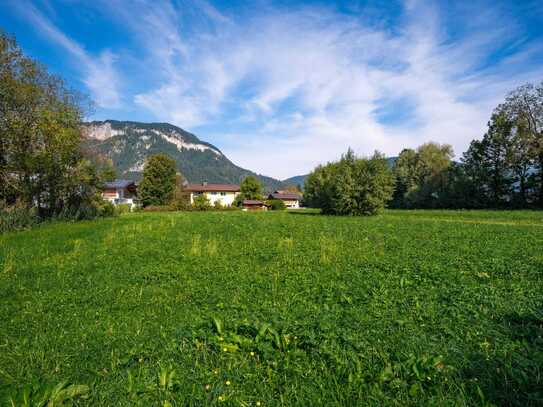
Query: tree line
[
  {"x": 502, "y": 170},
  {"x": 45, "y": 171}
]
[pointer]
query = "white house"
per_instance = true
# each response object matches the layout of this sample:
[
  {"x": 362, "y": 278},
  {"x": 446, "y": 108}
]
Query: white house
[
  {"x": 291, "y": 199},
  {"x": 224, "y": 193},
  {"x": 120, "y": 191}
]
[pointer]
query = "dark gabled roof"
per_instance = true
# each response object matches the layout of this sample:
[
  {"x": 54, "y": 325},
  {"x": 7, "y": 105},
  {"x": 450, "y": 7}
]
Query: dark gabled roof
[
  {"x": 252, "y": 202},
  {"x": 212, "y": 187},
  {"x": 287, "y": 196},
  {"x": 118, "y": 183}
]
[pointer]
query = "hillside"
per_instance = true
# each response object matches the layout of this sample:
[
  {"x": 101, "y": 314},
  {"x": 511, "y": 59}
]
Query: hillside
[
  {"x": 296, "y": 180},
  {"x": 128, "y": 144}
]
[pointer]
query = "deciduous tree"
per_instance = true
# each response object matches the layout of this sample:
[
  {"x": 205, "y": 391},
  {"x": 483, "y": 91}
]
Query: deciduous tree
[{"x": 158, "y": 183}]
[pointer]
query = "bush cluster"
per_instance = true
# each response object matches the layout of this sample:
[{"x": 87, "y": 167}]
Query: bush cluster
[
  {"x": 17, "y": 217},
  {"x": 276, "y": 204},
  {"x": 351, "y": 186}
]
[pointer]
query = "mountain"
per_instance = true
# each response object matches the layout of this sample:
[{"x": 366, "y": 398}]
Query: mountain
[
  {"x": 300, "y": 179},
  {"x": 296, "y": 180},
  {"x": 128, "y": 144}
]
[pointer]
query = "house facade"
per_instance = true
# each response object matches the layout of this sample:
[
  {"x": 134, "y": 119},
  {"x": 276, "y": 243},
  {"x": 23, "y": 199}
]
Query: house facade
[
  {"x": 291, "y": 199},
  {"x": 223, "y": 193},
  {"x": 120, "y": 191}
]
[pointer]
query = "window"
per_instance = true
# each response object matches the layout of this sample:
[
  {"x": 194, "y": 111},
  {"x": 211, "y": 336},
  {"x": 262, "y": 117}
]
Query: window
[
  {"x": 213, "y": 193},
  {"x": 223, "y": 193}
]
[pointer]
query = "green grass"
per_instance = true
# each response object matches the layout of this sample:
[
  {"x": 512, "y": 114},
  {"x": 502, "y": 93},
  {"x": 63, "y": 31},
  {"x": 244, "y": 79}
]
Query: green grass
[{"x": 407, "y": 308}]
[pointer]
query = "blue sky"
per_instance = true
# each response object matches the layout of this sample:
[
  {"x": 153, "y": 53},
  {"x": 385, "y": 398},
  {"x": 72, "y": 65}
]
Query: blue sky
[{"x": 282, "y": 86}]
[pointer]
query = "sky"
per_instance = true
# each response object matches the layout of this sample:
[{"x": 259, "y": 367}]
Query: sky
[{"x": 282, "y": 86}]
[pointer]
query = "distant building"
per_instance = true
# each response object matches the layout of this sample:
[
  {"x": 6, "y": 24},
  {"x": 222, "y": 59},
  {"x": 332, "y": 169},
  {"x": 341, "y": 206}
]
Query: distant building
[
  {"x": 291, "y": 199},
  {"x": 253, "y": 205},
  {"x": 120, "y": 191},
  {"x": 224, "y": 193}
]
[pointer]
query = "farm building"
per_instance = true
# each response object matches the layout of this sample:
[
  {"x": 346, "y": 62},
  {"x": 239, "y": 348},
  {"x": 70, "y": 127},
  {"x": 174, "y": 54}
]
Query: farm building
[
  {"x": 291, "y": 199},
  {"x": 224, "y": 193},
  {"x": 253, "y": 205},
  {"x": 120, "y": 191}
]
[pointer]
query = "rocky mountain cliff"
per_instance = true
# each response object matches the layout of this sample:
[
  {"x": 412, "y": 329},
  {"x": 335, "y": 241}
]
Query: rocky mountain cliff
[{"x": 128, "y": 144}]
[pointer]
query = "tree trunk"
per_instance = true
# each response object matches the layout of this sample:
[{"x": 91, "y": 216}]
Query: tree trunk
[{"x": 523, "y": 190}]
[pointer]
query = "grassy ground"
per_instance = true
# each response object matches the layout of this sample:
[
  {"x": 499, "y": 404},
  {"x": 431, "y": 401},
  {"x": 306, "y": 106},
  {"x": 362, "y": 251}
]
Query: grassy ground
[{"x": 245, "y": 309}]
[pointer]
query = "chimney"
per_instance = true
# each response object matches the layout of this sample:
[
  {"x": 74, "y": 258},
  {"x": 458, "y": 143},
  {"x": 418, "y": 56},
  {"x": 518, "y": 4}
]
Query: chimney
[{"x": 204, "y": 183}]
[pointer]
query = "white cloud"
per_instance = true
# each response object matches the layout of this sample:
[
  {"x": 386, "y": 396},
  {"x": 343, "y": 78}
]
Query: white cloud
[
  {"x": 99, "y": 74},
  {"x": 291, "y": 88}
]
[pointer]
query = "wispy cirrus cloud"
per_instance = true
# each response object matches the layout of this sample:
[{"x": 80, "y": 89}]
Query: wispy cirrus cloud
[
  {"x": 298, "y": 85},
  {"x": 99, "y": 74},
  {"x": 302, "y": 85}
]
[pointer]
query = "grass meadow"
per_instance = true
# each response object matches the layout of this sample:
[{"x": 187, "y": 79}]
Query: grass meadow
[{"x": 275, "y": 309}]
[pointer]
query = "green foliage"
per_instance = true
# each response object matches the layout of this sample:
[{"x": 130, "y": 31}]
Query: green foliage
[
  {"x": 42, "y": 163},
  {"x": 123, "y": 208},
  {"x": 107, "y": 209},
  {"x": 411, "y": 308},
  {"x": 421, "y": 176},
  {"x": 250, "y": 188},
  {"x": 180, "y": 204},
  {"x": 17, "y": 216},
  {"x": 181, "y": 198},
  {"x": 157, "y": 186},
  {"x": 61, "y": 394},
  {"x": 351, "y": 186},
  {"x": 503, "y": 169},
  {"x": 107, "y": 172},
  {"x": 276, "y": 204},
  {"x": 524, "y": 111},
  {"x": 501, "y": 164},
  {"x": 201, "y": 203}
]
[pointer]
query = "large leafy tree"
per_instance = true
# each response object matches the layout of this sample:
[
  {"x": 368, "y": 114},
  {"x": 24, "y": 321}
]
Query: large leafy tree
[
  {"x": 41, "y": 160},
  {"x": 250, "y": 188},
  {"x": 524, "y": 108},
  {"x": 421, "y": 175},
  {"x": 488, "y": 161},
  {"x": 351, "y": 186},
  {"x": 158, "y": 184}
]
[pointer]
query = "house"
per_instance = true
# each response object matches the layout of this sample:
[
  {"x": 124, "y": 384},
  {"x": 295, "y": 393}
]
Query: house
[
  {"x": 224, "y": 193},
  {"x": 120, "y": 191},
  {"x": 253, "y": 205},
  {"x": 291, "y": 199}
]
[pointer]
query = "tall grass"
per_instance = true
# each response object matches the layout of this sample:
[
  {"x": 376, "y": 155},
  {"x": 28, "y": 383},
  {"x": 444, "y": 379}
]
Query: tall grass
[{"x": 274, "y": 309}]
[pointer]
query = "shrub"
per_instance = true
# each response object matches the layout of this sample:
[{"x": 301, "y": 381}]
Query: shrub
[
  {"x": 201, "y": 203},
  {"x": 351, "y": 186},
  {"x": 123, "y": 208},
  {"x": 276, "y": 205},
  {"x": 180, "y": 205},
  {"x": 218, "y": 206},
  {"x": 106, "y": 209},
  {"x": 16, "y": 217}
]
